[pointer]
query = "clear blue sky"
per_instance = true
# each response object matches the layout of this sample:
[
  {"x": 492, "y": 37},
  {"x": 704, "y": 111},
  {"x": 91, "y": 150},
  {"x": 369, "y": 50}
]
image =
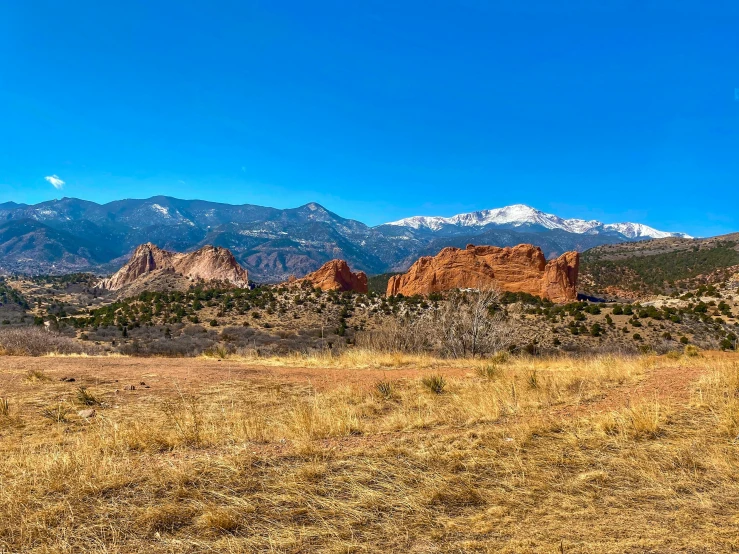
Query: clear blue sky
[{"x": 379, "y": 110}]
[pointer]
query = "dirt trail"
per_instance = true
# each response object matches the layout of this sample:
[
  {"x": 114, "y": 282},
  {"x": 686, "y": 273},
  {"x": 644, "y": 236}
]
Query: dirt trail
[{"x": 667, "y": 385}]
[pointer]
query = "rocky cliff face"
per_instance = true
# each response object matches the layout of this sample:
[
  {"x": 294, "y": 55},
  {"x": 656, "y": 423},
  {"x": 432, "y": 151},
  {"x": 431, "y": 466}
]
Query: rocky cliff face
[
  {"x": 210, "y": 263},
  {"x": 522, "y": 268},
  {"x": 335, "y": 275}
]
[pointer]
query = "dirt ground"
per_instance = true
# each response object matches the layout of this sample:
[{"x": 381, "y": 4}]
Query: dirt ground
[
  {"x": 579, "y": 455},
  {"x": 161, "y": 376},
  {"x": 190, "y": 373}
]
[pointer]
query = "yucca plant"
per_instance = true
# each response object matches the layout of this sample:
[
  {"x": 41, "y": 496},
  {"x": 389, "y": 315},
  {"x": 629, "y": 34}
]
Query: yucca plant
[
  {"x": 434, "y": 383},
  {"x": 57, "y": 414},
  {"x": 489, "y": 371},
  {"x": 385, "y": 389},
  {"x": 86, "y": 398}
]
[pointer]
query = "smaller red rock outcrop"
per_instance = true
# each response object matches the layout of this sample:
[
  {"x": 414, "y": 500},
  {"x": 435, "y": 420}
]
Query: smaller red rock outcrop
[
  {"x": 210, "y": 263},
  {"x": 334, "y": 275},
  {"x": 522, "y": 268}
]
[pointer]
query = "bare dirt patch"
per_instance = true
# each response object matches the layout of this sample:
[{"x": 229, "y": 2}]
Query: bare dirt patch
[
  {"x": 195, "y": 373},
  {"x": 666, "y": 385}
]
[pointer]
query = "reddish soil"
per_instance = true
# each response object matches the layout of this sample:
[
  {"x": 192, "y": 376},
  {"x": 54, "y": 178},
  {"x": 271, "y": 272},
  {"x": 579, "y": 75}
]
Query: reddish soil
[
  {"x": 671, "y": 384},
  {"x": 667, "y": 385},
  {"x": 193, "y": 372}
]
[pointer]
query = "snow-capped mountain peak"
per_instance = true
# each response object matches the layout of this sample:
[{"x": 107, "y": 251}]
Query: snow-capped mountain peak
[
  {"x": 519, "y": 215},
  {"x": 639, "y": 230}
]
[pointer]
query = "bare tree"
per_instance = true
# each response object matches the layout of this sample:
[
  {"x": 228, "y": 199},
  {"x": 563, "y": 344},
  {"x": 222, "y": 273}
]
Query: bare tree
[
  {"x": 468, "y": 324},
  {"x": 402, "y": 334}
]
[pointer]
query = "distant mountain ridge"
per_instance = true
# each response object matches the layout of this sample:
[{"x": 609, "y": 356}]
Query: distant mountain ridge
[
  {"x": 69, "y": 234},
  {"x": 521, "y": 215}
]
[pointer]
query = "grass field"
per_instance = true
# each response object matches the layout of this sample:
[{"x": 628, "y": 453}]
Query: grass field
[{"x": 370, "y": 454}]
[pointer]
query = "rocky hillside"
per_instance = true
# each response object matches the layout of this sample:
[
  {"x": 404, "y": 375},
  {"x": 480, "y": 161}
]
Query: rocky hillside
[
  {"x": 69, "y": 235},
  {"x": 663, "y": 266},
  {"x": 206, "y": 264},
  {"x": 29, "y": 246}
]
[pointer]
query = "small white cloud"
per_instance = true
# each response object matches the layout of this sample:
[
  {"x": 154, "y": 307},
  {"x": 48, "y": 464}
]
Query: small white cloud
[{"x": 55, "y": 181}]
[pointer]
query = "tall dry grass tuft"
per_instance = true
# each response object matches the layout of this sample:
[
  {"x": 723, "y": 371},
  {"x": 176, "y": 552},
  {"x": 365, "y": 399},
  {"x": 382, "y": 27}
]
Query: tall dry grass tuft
[
  {"x": 489, "y": 371},
  {"x": 37, "y": 376},
  {"x": 719, "y": 392},
  {"x": 185, "y": 417},
  {"x": 644, "y": 421}
]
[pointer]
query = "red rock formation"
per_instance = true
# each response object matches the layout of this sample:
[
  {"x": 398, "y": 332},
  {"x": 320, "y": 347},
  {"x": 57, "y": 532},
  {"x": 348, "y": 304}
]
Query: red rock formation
[
  {"x": 522, "y": 268},
  {"x": 210, "y": 263},
  {"x": 334, "y": 275}
]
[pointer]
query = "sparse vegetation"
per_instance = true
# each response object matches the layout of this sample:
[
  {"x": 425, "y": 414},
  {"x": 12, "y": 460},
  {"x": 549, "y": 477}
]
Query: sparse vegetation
[
  {"x": 692, "y": 351},
  {"x": 57, "y": 413},
  {"x": 86, "y": 398},
  {"x": 231, "y": 464},
  {"x": 37, "y": 376},
  {"x": 275, "y": 320},
  {"x": 385, "y": 389},
  {"x": 32, "y": 341},
  {"x": 660, "y": 272},
  {"x": 434, "y": 383}
]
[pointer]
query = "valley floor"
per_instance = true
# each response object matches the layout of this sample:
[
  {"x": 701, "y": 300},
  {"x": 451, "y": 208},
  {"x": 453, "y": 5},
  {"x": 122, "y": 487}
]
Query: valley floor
[{"x": 369, "y": 453}]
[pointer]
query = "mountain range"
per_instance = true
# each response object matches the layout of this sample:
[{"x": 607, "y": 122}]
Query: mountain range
[
  {"x": 520, "y": 216},
  {"x": 70, "y": 234}
]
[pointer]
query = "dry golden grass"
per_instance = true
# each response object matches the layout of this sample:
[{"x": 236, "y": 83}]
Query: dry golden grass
[
  {"x": 599, "y": 455},
  {"x": 357, "y": 358}
]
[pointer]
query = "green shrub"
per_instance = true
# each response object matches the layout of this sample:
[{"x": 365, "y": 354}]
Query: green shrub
[
  {"x": 692, "y": 351},
  {"x": 726, "y": 344}
]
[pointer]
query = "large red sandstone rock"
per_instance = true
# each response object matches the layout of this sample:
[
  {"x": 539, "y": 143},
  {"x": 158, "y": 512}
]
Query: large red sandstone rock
[
  {"x": 334, "y": 275},
  {"x": 522, "y": 268},
  {"x": 210, "y": 263}
]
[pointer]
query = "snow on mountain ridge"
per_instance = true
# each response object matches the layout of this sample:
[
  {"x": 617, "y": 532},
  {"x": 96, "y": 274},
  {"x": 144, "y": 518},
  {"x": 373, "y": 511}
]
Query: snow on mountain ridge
[
  {"x": 638, "y": 230},
  {"x": 520, "y": 214}
]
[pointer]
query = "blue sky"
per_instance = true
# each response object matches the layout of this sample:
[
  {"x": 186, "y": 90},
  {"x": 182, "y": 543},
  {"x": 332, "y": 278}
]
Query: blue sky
[{"x": 379, "y": 110}]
